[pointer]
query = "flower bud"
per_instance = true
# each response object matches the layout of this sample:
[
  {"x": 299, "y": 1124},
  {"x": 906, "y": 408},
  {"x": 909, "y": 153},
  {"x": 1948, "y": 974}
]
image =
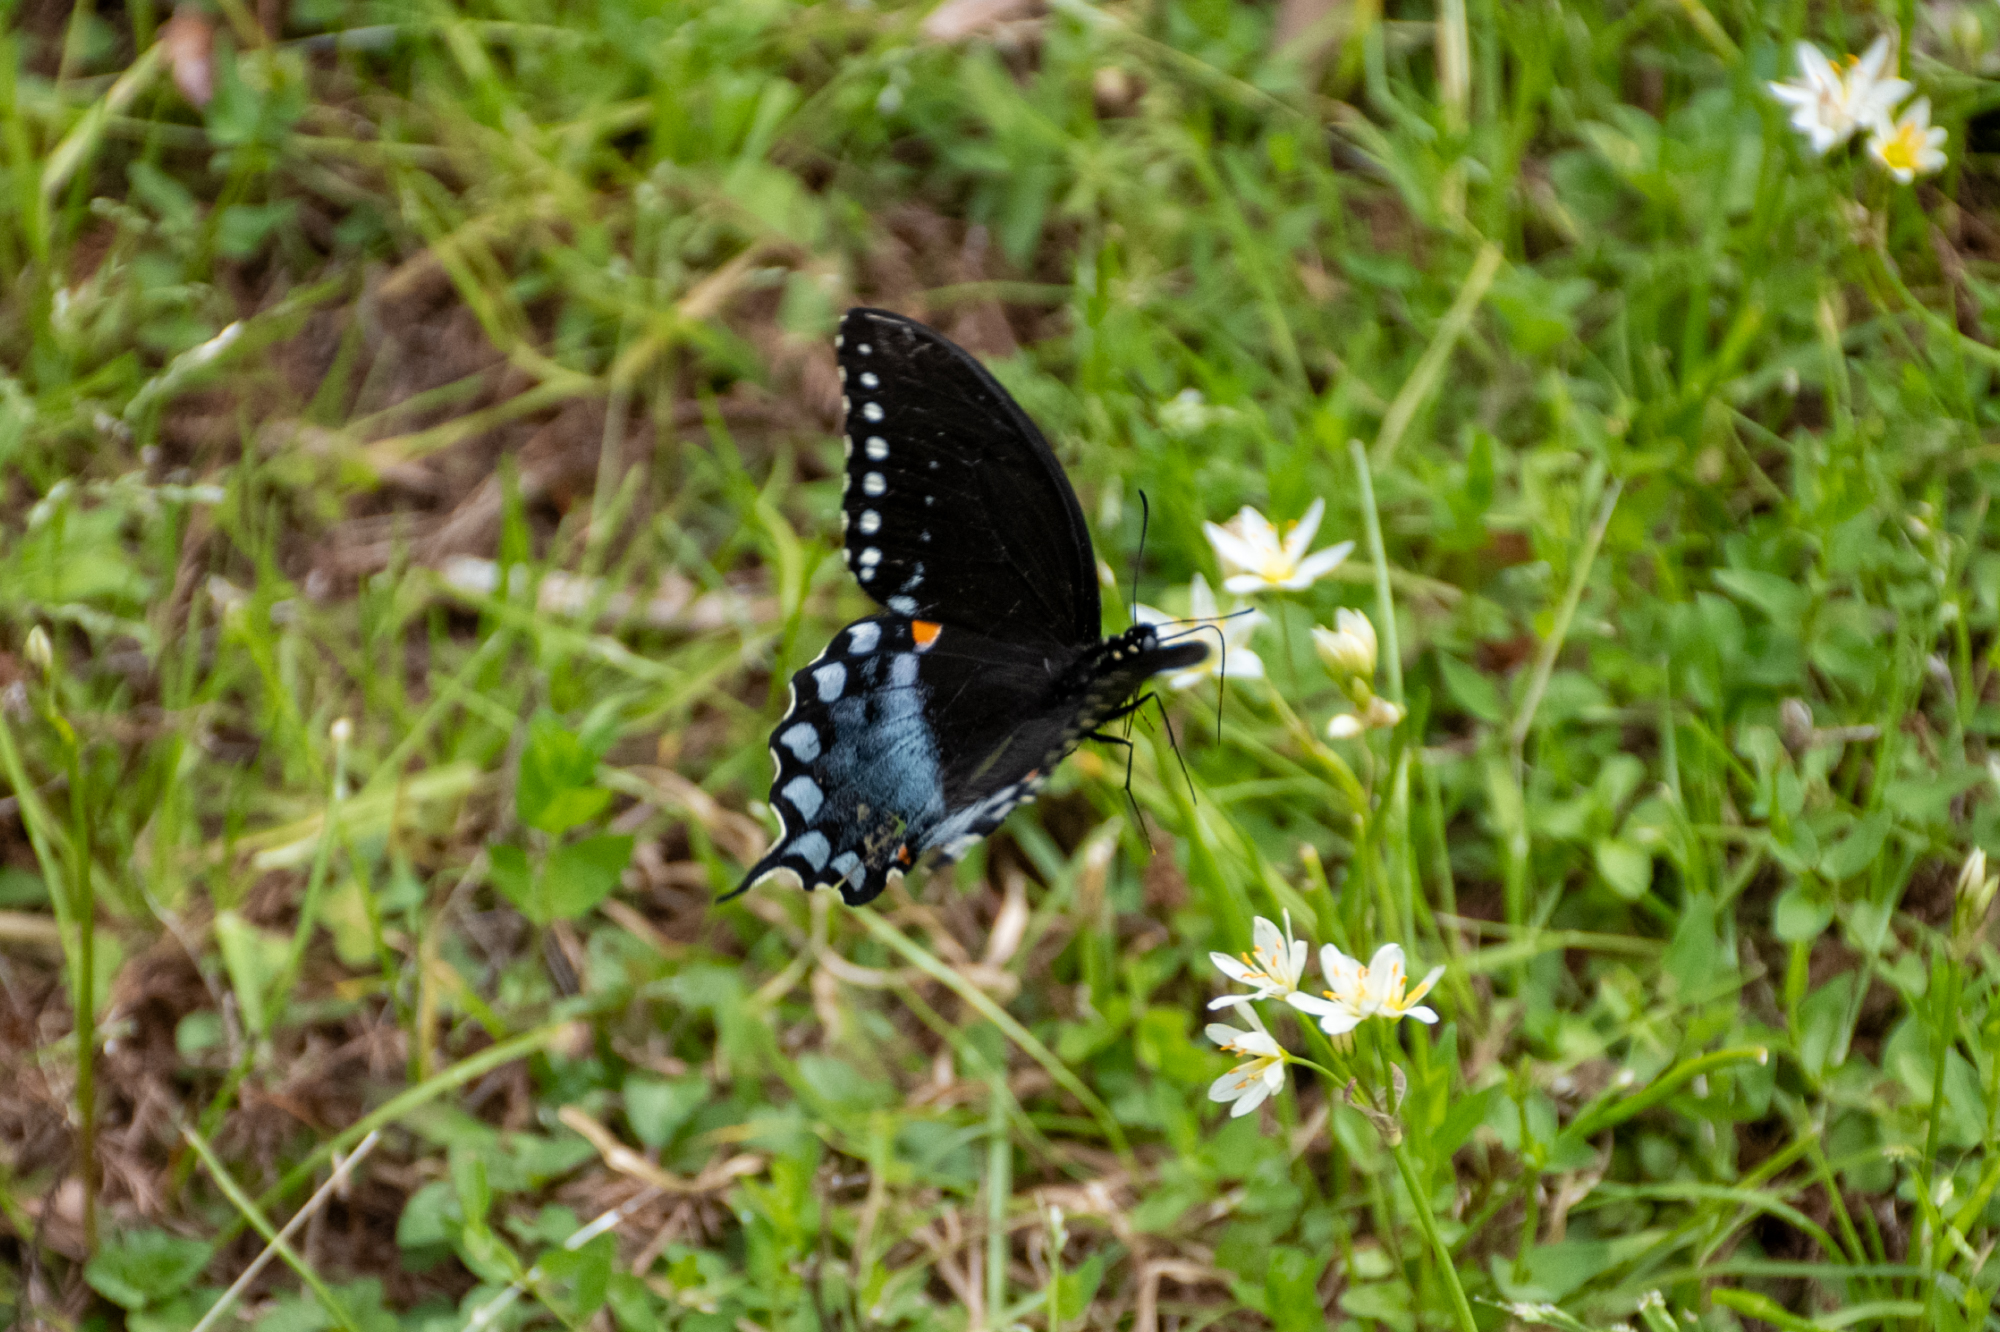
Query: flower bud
[
  {"x": 1349, "y": 651},
  {"x": 40, "y": 655},
  {"x": 1381, "y": 714},
  {"x": 1975, "y": 894},
  {"x": 340, "y": 732}
]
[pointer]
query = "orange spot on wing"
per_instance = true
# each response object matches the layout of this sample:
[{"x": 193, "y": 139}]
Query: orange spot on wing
[
  {"x": 903, "y": 854},
  {"x": 925, "y": 632}
]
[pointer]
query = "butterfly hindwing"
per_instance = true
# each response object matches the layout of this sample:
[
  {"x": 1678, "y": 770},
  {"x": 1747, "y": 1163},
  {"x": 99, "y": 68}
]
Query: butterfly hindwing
[
  {"x": 876, "y": 757},
  {"x": 909, "y": 738},
  {"x": 955, "y": 508}
]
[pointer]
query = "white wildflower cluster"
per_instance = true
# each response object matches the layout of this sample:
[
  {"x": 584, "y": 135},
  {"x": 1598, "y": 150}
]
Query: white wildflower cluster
[
  {"x": 1275, "y": 969},
  {"x": 1255, "y": 557},
  {"x": 1832, "y": 101},
  {"x": 1258, "y": 556}
]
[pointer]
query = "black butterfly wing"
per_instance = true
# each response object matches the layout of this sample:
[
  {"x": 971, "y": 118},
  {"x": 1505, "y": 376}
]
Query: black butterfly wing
[{"x": 955, "y": 509}]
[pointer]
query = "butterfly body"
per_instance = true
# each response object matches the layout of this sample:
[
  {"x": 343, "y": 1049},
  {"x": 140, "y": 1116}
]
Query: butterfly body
[{"x": 917, "y": 731}]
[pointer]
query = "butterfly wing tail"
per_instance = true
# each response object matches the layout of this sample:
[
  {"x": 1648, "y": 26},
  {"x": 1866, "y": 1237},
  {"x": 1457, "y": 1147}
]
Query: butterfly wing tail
[{"x": 773, "y": 861}]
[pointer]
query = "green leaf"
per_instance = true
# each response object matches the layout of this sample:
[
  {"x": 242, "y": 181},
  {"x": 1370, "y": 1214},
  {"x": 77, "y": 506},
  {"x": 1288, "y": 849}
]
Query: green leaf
[
  {"x": 842, "y": 1086},
  {"x": 1291, "y": 1286},
  {"x": 241, "y": 230},
  {"x": 431, "y": 1216},
  {"x": 1694, "y": 959},
  {"x": 1626, "y": 867},
  {"x": 468, "y": 1180},
  {"x": 557, "y": 789},
  {"x": 1778, "y": 597},
  {"x": 135, "y": 1268},
  {"x": 587, "y": 1269},
  {"x": 1471, "y": 690},
  {"x": 582, "y": 874},
  {"x": 508, "y": 867},
  {"x": 656, "y": 1109},
  {"x": 1856, "y": 851},
  {"x": 1799, "y": 914},
  {"x": 254, "y": 959},
  {"x": 1163, "y": 1044}
]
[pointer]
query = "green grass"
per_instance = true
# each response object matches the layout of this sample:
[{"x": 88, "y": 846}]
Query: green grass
[{"x": 1676, "y": 450}]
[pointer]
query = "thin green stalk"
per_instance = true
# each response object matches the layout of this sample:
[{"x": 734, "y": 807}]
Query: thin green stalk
[
  {"x": 1430, "y": 366},
  {"x": 1400, "y": 887},
  {"x": 466, "y": 1070},
  {"x": 1428, "y": 1224},
  {"x": 1545, "y": 660},
  {"x": 247, "y": 1208},
  {"x": 983, "y": 1004},
  {"x": 1385, "y": 600},
  {"x": 999, "y": 1189},
  {"x": 329, "y": 837},
  {"x": 84, "y": 905}
]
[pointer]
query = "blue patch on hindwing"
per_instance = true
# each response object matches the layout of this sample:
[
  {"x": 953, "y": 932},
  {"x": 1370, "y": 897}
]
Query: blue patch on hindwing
[{"x": 858, "y": 788}]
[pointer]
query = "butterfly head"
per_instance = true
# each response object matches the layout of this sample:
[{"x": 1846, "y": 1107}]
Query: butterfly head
[{"x": 1140, "y": 651}]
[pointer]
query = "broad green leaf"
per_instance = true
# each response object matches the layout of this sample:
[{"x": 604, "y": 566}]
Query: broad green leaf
[
  {"x": 135, "y": 1268},
  {"x": 557, "y": 787},
  {"x": 582, "y": 874},
  {"x": 1626, "y": 867},
  {"x": 254, "y": 959}
]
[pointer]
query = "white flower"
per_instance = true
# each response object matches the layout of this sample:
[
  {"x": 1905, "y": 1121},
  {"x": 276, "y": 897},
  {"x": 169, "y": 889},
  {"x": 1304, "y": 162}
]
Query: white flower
[
  {"x": 1236, "y": 655},
  {"x": 1379, "y": 714},
  {"x": 1273, "y": 969},
  {"x": 1257, "y": 559},
  {"x": 1356, "y": 993},
  {"x": 1910, "y": 146},
  {"x": 1189, "y": 412},
  {"x": 1830, "y": 102},
  {"x": 1259, "y": 1077},
  {"x": 1349, "y": 651}
]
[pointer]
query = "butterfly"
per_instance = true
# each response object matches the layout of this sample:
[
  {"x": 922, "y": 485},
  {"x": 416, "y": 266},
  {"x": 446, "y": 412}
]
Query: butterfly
[{"x": 919, "y": 729}]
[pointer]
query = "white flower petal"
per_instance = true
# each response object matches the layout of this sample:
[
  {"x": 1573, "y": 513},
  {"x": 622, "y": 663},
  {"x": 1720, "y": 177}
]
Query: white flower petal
[
  {"x": 1313, "y": 1004},
  {"x": 1299, "y": 540},
  {"x": 1244, "y": 584},
  {"x": 1257, "y": 1093},
  {"x": 1232, "y": 549},
  {"x": 1422, "y": 1013},
  {"x": 1201, "y": 601},
  {"x": 1323, "y": 562},
  {"x": 1233, "y": 967}
]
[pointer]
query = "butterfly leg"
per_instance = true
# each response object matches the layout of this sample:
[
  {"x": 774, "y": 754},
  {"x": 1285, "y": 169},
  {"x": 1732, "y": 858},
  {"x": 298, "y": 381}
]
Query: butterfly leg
[{"x": 1127, "y": 745}]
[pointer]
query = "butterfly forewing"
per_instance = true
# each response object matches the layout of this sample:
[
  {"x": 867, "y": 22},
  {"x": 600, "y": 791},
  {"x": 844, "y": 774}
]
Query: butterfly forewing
[{"x": 956, "y": 510}]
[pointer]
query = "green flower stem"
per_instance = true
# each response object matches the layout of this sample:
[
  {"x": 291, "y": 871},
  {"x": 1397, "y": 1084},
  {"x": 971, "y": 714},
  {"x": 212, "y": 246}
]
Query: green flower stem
[
  {"x": 1428, "y": 1224},
  {"x": 1385, "y": 604},
  {"x": 1334, "y": 765},
  {"x": 1413, "y": 1184}
]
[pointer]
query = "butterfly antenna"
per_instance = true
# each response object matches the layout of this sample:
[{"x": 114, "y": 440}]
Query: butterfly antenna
[{"x": 1139, "y": 561}]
